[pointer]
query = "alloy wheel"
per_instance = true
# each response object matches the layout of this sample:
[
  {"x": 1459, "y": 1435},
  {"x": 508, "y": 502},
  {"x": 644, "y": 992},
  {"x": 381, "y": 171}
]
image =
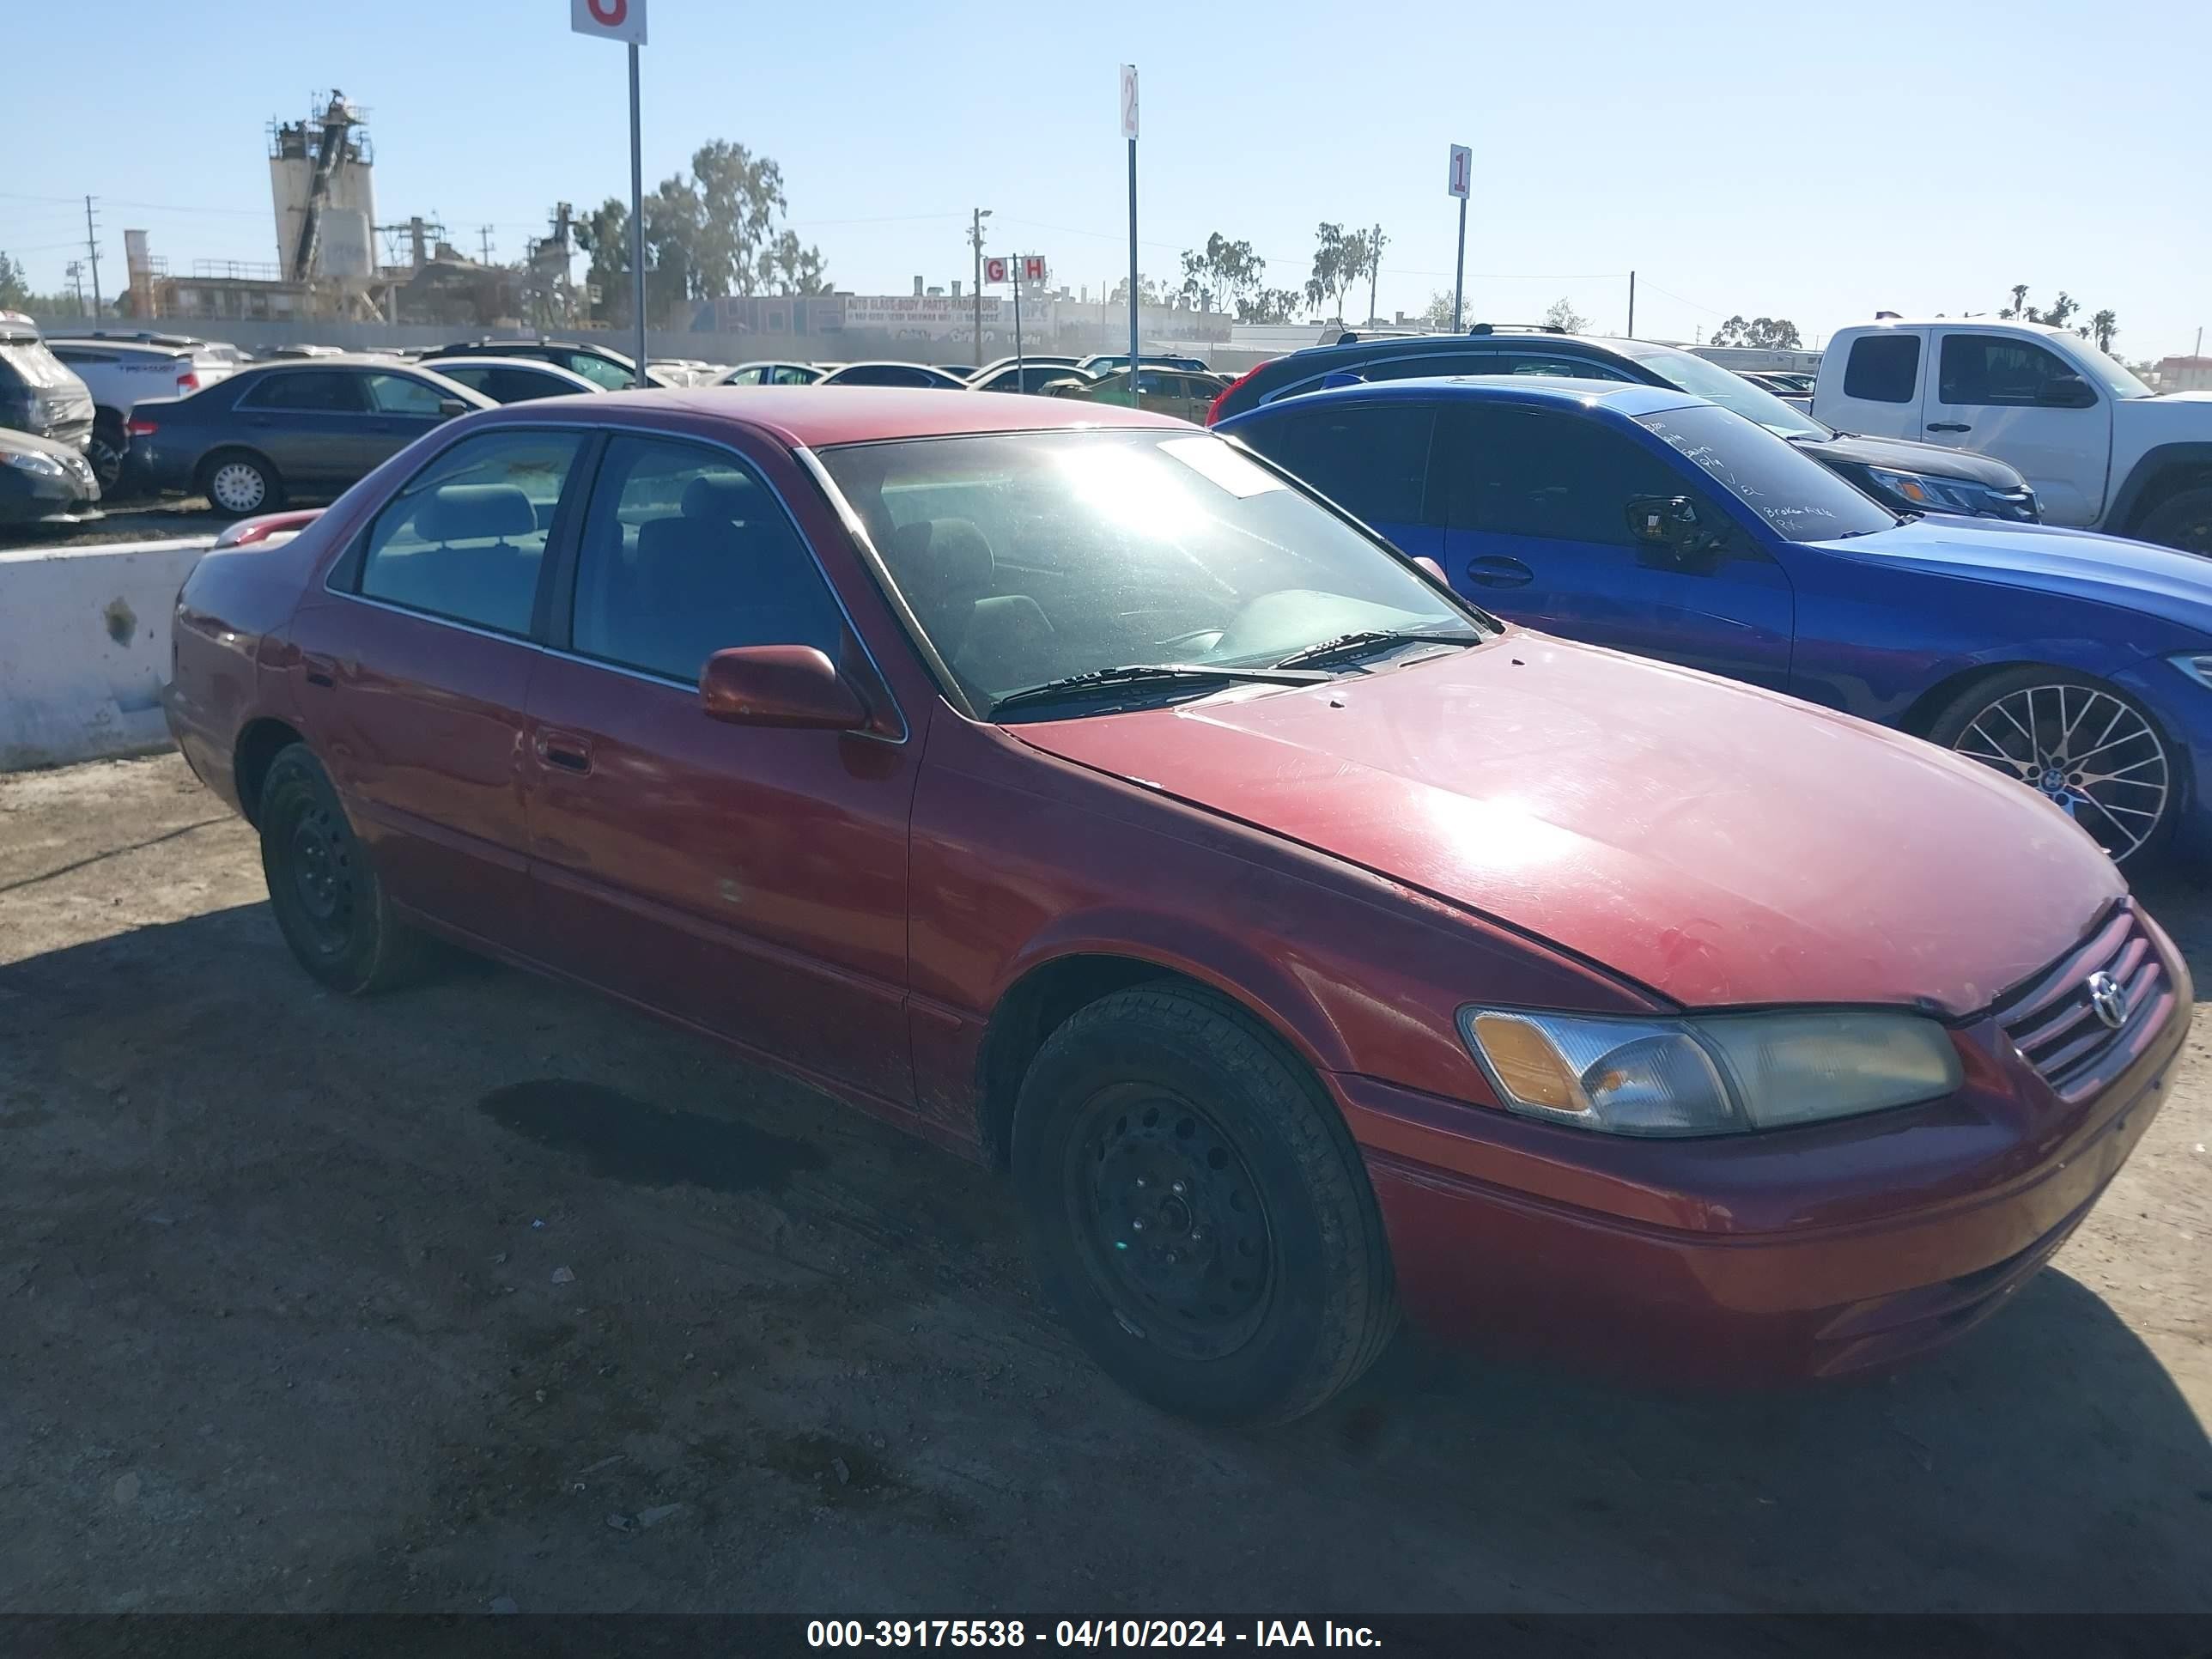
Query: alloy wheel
[
  {"x": 238, "y": 487},
  {"x": 1171, "y": 1222},
  {"x": 2085, "y": 749}
]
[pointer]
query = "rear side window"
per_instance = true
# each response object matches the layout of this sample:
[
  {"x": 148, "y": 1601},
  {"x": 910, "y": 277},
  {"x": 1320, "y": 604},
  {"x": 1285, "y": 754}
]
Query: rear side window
[
  {"x": 744, "y": 377},
  {"x": 320, "y": 389},
  {"x": 1992, "y": 369},
  {"x": 790, "y": 376},
  {"x": 466, "y": 539},
  {"x": 685, "y": 552},
  {"x": 1371, "y": 459},
  {"x": 1883, "y": 368}
]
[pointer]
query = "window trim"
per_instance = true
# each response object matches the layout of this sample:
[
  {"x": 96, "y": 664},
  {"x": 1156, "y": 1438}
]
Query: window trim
[
  {"x": 1915, "y": 391},
  {"x": 1982, "y": 340},
  {"x": 343, "y": 579},
  {"x": 557, "y": 601}
]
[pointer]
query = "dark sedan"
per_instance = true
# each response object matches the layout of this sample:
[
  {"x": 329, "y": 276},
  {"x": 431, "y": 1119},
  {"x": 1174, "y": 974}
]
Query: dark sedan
[
  {"x": 280, "y": 430},
  {"x": 42, "y": 479}
]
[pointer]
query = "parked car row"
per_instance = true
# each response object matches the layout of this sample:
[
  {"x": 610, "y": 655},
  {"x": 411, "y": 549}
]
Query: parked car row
[{"x": 1104, "y": 800}]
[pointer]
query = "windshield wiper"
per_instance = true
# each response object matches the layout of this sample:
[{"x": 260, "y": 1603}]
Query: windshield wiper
[
  {"x": 1139, "y": 673},
  {"x": 1347, "y": 645}
]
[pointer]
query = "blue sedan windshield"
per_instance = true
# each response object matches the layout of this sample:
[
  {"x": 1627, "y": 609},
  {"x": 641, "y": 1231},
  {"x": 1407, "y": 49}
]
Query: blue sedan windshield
[{"x": 1796, "y": 496}]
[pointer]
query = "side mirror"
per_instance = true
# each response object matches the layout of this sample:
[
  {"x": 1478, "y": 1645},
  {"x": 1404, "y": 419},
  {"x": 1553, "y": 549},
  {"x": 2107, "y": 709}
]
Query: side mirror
[
  {"x": 2066, "y": 391},
  {"x": 788, "y": 685},
  {"x": 1665, "y": 522},
  {"x": 449, "y": 407}
]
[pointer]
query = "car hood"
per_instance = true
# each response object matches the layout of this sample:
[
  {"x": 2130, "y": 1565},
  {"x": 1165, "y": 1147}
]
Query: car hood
[
  {"x": 1719, "y": 844},
  {"x": 2077, "y": 564},
  {"x": 1904, "y": 455}
]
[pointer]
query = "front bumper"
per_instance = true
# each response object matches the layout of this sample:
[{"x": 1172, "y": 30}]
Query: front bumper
[
  {"x": 29, "y": 497},
  {"x": 1750, "y": 1259}
]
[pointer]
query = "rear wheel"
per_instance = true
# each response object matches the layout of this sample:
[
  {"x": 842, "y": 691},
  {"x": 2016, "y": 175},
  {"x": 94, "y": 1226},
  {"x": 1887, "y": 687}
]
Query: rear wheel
[
  {"x": 2087, "y": 745},
  {"x": 1197, "y": 1211},
  {"x": 105, "y": 450},
  {"x": 2181, "y": 521},
  {"x": 328, "y": 901},
  {"x": 239, "y": 482}
]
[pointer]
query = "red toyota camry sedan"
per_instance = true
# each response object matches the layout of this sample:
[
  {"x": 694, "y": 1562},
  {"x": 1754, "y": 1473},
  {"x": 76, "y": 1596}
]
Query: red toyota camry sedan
[{"x": 1075, "y": 790}]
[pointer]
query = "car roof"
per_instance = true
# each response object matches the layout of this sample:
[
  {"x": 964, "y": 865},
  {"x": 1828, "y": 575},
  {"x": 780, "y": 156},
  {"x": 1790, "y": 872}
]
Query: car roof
[
  {"x": 485, "y": 360},
  {"x": 819, "y": 417},
  {"x": 1540, "y": 391},
  {"x": 98, "y": 343}
]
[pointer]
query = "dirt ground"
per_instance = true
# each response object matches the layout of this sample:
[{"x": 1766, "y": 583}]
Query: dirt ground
[
  {"x": 141, "y": 519},
  {"x": 492, "y": 1292}
]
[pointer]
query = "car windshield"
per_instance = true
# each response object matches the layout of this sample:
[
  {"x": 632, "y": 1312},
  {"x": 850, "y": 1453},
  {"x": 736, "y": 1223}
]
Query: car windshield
[
  {"x": 1688, "y": 372},
  {"x": 2116, "y": 377},
  {"x": 1031, "y": 558},
  {"x": 1796, "y": 496}
]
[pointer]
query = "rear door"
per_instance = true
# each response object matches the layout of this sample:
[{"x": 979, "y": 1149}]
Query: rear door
[
  {"x": 748, "y": 879},
  {"x": 306, "y": 420},
  {"x": 401, "y": 409},
  {"x": 1540, "y": 533},
  {"x": 2023, "y": 402},
  {"x": 415, "y": 667},
  {"x": 1877, "y": 391},
  {"x": 1370, "y": 459}
]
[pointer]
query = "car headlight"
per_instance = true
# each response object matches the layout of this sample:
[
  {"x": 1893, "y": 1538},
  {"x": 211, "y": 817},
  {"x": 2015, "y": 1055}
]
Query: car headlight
[
  {"x": 1725, "y": 1074},
  {"x": 2197, "y": 665},
  {"x": 1934, "y": 495},
  {"x": 30, "y": 461}
]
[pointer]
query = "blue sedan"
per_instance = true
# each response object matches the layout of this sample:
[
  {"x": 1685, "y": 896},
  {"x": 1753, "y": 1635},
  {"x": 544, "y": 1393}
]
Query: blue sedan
[{"x": 1642, "y": 518}]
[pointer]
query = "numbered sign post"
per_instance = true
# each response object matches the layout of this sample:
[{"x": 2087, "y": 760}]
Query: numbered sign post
[
  {"x": 624, "y": 21},
  {"x": 1129, "y": 132},
  {"x": 1462, "y": 172}
]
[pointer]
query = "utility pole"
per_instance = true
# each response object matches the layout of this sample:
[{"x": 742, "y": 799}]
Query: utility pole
[
  {"x": 92, "y": 245},
  {"x": 976, "y": 240},
  {"x": 483, "y": 241},
  {"x": 75, "y": 272},
  {"x": 1374, "y": 270},
  {"x": 1631, "y": 305}
]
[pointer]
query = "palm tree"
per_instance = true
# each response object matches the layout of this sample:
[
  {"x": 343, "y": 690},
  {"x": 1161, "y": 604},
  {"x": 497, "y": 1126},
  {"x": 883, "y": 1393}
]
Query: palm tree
[
  {"x": 2019, "y": 301},
  {"x": 2104, "y": 325}
]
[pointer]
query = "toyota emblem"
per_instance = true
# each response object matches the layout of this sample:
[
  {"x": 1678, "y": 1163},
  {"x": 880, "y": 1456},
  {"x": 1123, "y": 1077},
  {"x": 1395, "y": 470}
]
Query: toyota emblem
[{"x": 2109, "y": 998}]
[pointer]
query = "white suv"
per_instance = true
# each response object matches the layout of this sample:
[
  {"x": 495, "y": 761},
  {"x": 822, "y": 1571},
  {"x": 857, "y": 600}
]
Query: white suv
[
  {"x": 2102, "y": 451},
  {"x": 121, "y": 372}
]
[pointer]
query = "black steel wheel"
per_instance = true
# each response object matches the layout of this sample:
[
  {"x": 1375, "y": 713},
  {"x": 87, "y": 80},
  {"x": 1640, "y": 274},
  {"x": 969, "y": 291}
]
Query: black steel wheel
[
  {"x": 1197, "y": 1210},
  {"x": 327, "y": 900},
  {"x": 2085, "y": 745}
]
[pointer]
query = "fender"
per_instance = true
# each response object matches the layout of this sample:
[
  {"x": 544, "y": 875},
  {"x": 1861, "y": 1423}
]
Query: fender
[{"x": 2152, "y": 461}]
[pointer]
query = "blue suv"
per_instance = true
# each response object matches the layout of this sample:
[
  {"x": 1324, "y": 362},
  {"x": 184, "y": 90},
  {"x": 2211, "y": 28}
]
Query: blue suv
[{"x": 1641, "y": 518}]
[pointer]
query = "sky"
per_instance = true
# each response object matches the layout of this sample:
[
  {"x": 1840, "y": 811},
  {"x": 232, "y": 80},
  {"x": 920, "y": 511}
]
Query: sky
[{"x": 1798, "y": 161}]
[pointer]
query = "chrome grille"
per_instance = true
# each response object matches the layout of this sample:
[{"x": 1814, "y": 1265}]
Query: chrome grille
[{"x": 2055, "y": 1021}]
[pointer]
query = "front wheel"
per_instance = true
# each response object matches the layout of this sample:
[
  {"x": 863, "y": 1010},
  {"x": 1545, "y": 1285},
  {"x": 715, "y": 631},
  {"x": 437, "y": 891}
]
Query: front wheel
[
  {"x": 1197, "y": 1211},
  {"x": 329, "y": 904},
  {"x": 2183, "y": 521},
  {"x": 2088, "y": 746}
]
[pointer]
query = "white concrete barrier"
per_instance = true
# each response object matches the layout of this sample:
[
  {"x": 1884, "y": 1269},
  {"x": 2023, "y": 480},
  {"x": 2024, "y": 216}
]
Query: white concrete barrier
[{"x": 84, "y": 648}]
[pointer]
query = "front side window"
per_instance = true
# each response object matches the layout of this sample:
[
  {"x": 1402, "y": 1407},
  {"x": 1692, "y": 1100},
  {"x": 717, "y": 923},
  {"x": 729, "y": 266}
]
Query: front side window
[
  {"x": 1996, "y": 369},
  {"x": 464, "y": 539},
  {"x": 1371, "y": 459},
  {"x": 744, "y": 377},
  {"x": 685, "y": 552},
  {"x": 791, "y": 374},
  {"x": 597, "y": 370},
  {"x": 1883, "y": 368},
  {"x": 1795, "y": 494},
  {"x": 1517, "y": 473},
  {"x": 1028, "y": 557},
  {"x": 402, "y": 394},
  {"x": 323, "y": 390}
]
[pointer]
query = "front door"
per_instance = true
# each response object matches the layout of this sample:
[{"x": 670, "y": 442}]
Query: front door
[
  {"x": 1998, "y": 394},
  {"x": 751, "y": 880},
  {"x": 401, "y": 409},
  {"x": 1540, "y": 533},
  {"x": 308, "y": 422},
  {"x": 415, "y": 667}
]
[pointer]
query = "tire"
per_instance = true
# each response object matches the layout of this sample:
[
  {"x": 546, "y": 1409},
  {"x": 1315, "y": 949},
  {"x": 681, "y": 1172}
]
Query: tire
[
  {"x": 2181, "y": 521},
  {"x": 106, "y": 451},
  {"x": 1166, "y": 1112},
  {"x": 329, "y": 904},
  {"x": 238, "y": 483},
  {"x": 2095, "y": 752}
]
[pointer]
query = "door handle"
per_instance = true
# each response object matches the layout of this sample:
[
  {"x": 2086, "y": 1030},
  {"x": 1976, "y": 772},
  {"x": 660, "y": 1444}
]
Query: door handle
[
  {"x": 566, "y": 751},
  {"x": 1499, "y": 573},
  {"x": 1948, "y": 426},
  {"x": 318, "y": 670}
]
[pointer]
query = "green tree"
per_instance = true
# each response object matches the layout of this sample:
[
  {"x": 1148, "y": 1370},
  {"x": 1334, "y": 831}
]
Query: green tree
[
  {"x": 1223, "y": 275},
  {"x": 2058, "y": 311},
  {"x": 2018, "y": 306},
  {"x": 786, "y": 267},
  {"x": 604, "y": 233},
  {"x": 1438, "y": 314},
  {"x": 15, "y": 292},
  {"x": 2102, "y": 327},
  {"x": 1270, "y": 304},
  {"x": 1562, "y": 315},
  {"x": 1340, "y": 260},
  {"x": 1768, "y": 333},
  {"x": 1372, "y": 257}
]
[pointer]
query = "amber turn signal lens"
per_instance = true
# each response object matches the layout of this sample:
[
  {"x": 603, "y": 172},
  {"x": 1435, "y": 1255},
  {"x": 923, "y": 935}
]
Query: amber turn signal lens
[{"x": 1526, "y": 1064}]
